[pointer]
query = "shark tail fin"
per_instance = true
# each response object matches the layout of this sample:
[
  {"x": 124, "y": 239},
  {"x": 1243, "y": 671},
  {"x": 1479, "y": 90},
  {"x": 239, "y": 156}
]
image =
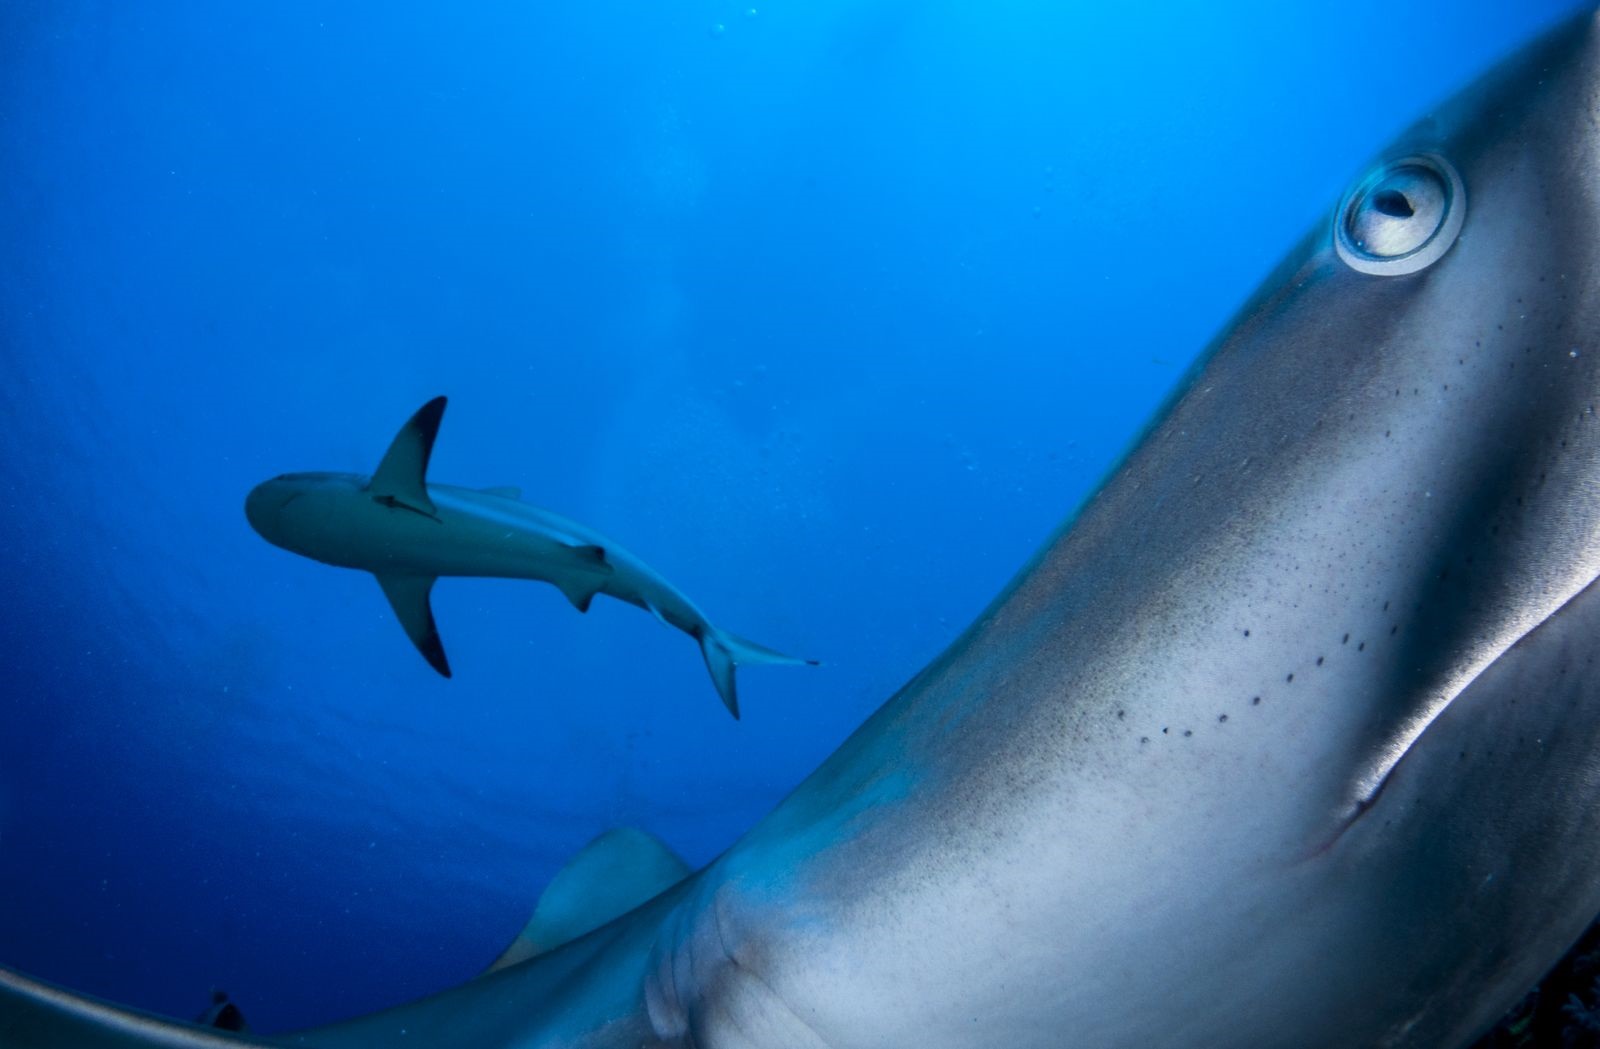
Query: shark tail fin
[{"x": 724, "y": 652}]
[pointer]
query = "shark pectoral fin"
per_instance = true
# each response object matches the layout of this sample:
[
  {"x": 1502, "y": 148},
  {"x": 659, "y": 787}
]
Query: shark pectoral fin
[
  {"x": 504, "y": 491},
  {"x": 402, "y": 476},
  {"x": 408, "y": 596},
  {"x": 609, "y": 877}
]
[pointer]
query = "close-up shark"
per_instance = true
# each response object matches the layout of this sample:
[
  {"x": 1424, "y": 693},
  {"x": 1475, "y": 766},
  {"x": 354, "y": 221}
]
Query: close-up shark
[
  {"x": 408, "y": 532},
  {"x": 1290, "y": 737}
]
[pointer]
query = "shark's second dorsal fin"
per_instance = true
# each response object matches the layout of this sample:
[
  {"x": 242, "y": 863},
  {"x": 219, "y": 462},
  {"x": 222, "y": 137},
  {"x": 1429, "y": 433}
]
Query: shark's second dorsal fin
[
  {"x": 408, "y": 596},
  {"x": 609, "y": 877},
  {"x": 402, "y": 476}
]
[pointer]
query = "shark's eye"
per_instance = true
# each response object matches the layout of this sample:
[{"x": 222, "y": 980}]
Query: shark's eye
[{"x": 1402, "y": 217}]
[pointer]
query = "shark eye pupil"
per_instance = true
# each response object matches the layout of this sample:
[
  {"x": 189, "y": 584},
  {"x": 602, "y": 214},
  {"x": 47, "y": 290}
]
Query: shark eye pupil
[
  {"x": 1402, "y": 217},
  {"x": 1393, "y": 203},
  {"x": 1397, "y": 215}
]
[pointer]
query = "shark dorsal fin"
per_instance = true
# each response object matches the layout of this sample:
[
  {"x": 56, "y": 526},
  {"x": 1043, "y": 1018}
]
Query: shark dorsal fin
[
  {"x": 408, "y": 596},
  {"x": 402, "y": 477},
  {"x": 609, "y": 877}
]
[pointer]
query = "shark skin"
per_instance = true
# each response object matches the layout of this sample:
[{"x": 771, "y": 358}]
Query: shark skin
[
  {"x": 408, "y": 532},
  {"x": 1291, "y": 737}
]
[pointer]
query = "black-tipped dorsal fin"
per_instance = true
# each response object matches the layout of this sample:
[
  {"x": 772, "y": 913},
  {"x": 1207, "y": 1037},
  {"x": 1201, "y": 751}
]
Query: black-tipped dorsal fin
[
  {"x": 402, "y": 476},
  {"x": 609, "y": 877},
  {"x": 408, "y": 596}
]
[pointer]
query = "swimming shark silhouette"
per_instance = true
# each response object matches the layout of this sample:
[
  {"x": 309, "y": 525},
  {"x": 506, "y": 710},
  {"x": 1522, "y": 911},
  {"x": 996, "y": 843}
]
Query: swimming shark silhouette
[
  {"x": 1291, "y": 738},
  {"x": 408, "y": 532}
]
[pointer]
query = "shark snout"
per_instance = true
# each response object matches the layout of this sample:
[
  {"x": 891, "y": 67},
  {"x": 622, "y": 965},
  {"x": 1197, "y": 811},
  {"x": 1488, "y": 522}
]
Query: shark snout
[{"x": 265, "y": 503}]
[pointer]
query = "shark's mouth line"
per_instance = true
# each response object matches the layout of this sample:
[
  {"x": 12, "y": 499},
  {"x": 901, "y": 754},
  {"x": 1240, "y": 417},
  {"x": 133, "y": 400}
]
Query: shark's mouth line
[{"x": 1370, "y": 801}]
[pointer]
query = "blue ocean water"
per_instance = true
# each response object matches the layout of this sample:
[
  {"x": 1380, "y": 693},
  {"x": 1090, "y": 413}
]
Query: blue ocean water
[{"x": 829, "y": 311}]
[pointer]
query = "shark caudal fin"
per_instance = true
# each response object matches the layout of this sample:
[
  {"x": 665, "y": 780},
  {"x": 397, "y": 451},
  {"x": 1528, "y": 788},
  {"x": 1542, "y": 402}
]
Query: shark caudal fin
[{"x": 724, "y": 652}]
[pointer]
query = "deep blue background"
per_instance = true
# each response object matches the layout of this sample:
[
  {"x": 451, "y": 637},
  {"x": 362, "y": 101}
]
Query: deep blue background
[{"x": 831, "y": 314}]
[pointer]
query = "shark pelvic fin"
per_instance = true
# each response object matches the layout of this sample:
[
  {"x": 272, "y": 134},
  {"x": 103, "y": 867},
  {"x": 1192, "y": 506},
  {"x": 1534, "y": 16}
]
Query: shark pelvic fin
[
  {"x": 723, "y": 652},
  {"x": 581, "y": 591},
  {"x": 401, "y": 480},
  {"x": 504, "y": 491},
  {"x": 408, "y": 596},
  {"x": 609, "y": 877},
  {"x": 588, "y": 576}
]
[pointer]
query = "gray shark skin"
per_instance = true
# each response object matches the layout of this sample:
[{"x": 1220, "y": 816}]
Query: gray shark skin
[
  {"x": 408, "y": 532},
  {"x": 1291, "y": 738}
]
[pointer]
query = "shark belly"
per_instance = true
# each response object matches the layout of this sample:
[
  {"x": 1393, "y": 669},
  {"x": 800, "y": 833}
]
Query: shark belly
[{"x": 458, "y": 539}]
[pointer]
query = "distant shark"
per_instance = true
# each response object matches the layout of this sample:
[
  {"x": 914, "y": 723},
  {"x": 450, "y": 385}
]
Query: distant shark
[
  {"x": 408, "y": 532},
  {"x": 1291, "y": 739}
]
